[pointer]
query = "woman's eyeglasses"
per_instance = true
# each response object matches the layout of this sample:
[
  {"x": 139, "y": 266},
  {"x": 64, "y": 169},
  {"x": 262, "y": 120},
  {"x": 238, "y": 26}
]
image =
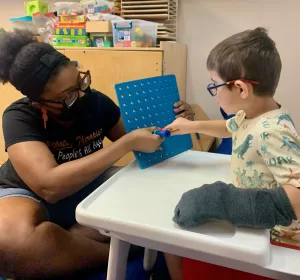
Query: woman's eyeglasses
[
  {"x": 72, "y": 96},
  {"x": 212, "y": 87}
]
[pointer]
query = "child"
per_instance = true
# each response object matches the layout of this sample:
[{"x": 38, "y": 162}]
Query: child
[{"x": 245, "y": 70}]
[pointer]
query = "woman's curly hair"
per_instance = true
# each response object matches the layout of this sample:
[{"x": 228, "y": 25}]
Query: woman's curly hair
[{"x": 19, "y": 50}]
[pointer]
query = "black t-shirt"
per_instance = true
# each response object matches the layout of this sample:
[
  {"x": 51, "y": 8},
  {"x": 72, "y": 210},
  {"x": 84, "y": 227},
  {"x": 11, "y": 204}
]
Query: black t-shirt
[{"x": 22, "y": 122}]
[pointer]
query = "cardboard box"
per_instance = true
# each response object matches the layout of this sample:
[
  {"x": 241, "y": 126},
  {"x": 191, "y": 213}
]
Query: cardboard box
[
  {"x": 98, "y": 26},
  {"x": 70, "y": 41}
]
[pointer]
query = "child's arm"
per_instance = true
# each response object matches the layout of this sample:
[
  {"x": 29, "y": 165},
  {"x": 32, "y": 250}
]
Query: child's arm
[
  {"x": 253, "y": 208},
  {"x": 257, "y": 207},
  {"x": 293, "y": 195},
  {"x": 216, "y": 128}
]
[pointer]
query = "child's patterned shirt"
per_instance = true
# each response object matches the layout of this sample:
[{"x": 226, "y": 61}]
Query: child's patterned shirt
[{"x": 266, "y": 154}]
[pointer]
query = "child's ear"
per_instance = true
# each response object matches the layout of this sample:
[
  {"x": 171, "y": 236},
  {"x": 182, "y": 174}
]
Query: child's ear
[{"x": 243, "y": 89}]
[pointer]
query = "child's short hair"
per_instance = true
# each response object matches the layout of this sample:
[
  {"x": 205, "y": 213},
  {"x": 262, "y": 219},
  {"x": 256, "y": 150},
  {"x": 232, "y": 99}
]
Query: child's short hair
[{"x": 251, "y": 55}]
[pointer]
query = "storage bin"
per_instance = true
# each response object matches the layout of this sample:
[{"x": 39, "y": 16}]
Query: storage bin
[
  {"x": 101, "y": 40},
  {"x": 97, "y": 6},
  {"x": 23, "y": 23},
  {"x": 134, "y": 33}
]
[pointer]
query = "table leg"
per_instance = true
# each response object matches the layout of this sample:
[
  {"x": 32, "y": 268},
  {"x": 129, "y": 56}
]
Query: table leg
[
  {"x": 117, "y": 261},
  {"x": 149, "y": 258}
]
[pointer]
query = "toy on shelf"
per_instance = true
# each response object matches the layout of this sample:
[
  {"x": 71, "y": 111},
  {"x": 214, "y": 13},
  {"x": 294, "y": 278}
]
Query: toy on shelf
[
  {"x": 33, "y": 7},
  {"x": 103, "y": 40},
  {"x": 100, "y": 29},
  {"x": 72, "y": 29},
  {"x": 68, "y": 9},
  {"x": 97, "y": 6},
  {"x": 134, "y": 33},
  {"x": 70, "y": 41},
  {"x": 68, "y": 12},
  {"x": 147, "y": 103}
]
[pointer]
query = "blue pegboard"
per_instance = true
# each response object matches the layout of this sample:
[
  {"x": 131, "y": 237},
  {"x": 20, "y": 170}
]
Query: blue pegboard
[{"x": 150, "y": 102}]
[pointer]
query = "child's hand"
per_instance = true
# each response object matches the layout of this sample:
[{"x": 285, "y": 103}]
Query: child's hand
[
  {"x": 180, "y": 126},
  {"x": 143, "y": 140}
]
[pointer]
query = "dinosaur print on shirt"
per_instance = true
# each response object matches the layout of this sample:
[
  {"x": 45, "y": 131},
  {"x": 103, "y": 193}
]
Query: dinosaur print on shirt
[
  {"x": 243, "y": 148},
  {"x": 290, "y": 144}
]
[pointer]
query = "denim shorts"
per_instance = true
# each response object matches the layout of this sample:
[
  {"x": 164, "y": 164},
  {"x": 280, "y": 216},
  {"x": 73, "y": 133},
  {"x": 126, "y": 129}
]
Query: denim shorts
[{"x": 61, "y": 213}]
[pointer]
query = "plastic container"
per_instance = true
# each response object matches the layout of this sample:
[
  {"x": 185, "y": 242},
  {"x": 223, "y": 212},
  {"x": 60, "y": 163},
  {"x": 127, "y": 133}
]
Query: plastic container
[
  {"x": 101, "y": 40},
  {"x": 97, "y": 6},
  {"x": 24, "y": 23},
  {"x": 68, "y": 8},
  {"x": 134, "y": 33},
  {"x": 45, "y": 24}
]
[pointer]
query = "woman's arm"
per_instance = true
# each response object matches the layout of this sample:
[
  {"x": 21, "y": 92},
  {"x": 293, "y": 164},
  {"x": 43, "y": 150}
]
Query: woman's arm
[
  {"x": 39, "y": 170},
  {"x": 117, "y": 131},
  {"x": 181, "y": 108}
]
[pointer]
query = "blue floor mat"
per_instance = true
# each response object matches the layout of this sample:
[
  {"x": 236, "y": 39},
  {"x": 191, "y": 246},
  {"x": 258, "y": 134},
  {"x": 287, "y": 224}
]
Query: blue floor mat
[{"x": 135, "y": 270}]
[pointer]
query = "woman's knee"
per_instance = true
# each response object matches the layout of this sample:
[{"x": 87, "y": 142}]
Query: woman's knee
[{"x": 19, "y": 218}]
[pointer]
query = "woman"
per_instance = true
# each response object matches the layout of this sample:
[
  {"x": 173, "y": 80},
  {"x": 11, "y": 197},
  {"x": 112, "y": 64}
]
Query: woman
[{"x": 54, "y": 137}]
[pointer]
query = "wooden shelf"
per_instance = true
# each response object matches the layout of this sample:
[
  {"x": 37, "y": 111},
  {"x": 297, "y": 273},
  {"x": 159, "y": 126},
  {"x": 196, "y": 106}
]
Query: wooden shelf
[
  {"x": 154, "y": 49},
  {"x": 149, "y": 9},
  {"x": 144, "y": 3}
]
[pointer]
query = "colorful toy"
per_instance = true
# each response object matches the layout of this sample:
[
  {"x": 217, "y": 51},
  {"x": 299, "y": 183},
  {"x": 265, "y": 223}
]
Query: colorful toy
[
  {"x": 150, "y": 102},
  {"x": 69, "y": 12},
  {"x": 32, "y": 7},
  {"x": 70, "y": 29},
  {"x": 97, "y": 6},
  {"x": 103, "y": 40},
  {"x": 70, "y": 41},
  {"x": 163, "y": 133},
  {"x": 68, "y": 8}
]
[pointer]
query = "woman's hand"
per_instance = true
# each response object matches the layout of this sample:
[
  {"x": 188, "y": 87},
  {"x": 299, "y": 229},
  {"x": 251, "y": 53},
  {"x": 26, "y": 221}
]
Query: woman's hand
[
  {"x": 184, "y": 110},
  {"x": 180, "y": 126},
  {"x": 143, "y": 140}
]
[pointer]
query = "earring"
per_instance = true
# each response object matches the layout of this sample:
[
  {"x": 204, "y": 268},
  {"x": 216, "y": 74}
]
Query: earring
[{"x": 44, "y": 116}]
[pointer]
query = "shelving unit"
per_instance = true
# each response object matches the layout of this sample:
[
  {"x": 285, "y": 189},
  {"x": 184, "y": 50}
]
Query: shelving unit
[{"x": 164, "y": 12}]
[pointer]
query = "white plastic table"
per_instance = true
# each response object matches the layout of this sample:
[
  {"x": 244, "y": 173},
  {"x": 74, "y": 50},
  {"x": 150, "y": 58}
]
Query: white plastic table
[{"x": 136, "y": 207}]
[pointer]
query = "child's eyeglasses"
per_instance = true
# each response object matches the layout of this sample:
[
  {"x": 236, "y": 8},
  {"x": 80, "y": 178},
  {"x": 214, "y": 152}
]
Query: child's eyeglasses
[{"x": 212, "y": 87}]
